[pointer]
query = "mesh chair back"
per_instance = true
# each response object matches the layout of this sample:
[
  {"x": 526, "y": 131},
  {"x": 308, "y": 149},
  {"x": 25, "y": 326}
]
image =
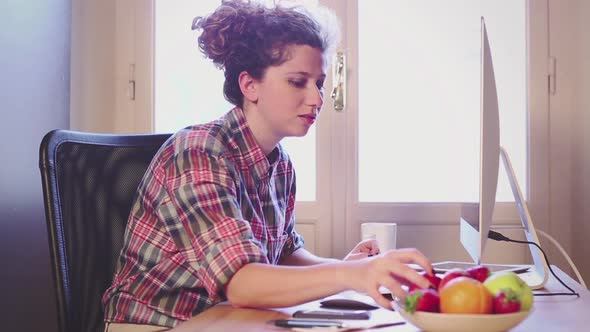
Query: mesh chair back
[{"x": 89, "y": 182}]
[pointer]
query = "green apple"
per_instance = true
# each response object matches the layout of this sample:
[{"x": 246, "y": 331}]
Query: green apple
[{"x": 510, "y": 280}]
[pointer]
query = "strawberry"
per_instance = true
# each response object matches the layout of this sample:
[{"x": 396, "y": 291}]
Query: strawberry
[
  {"x": 506, "y": 301},
  {"x": 479, "y": 272},
  {"x": 434, "y": 281},
  {"x": 422, "y": 300}
]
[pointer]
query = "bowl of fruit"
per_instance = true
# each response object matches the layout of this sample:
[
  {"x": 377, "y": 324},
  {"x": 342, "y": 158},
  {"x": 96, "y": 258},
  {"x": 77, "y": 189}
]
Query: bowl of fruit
[{"x": 468, "y": 300}]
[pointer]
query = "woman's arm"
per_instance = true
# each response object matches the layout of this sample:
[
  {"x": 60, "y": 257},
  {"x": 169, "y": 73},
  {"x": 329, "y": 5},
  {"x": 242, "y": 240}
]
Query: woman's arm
[
  {"x": 266, "y": 286},
  {"x": 302, "y": 257}
]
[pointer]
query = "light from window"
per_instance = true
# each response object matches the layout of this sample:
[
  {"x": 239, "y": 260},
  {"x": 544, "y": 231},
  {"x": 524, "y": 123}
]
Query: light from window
[{"x": 419, "y": 97}]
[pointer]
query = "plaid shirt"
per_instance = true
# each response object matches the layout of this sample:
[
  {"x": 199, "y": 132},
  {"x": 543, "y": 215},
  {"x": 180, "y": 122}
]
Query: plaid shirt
[{"x": 210, "y": 202}]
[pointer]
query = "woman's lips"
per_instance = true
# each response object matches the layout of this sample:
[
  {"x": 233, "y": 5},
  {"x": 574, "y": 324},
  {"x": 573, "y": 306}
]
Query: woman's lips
[{"x": 308, "y": 118}]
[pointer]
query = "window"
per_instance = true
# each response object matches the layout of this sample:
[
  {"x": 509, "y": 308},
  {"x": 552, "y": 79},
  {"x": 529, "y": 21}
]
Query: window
[
  {"x": 419, "y": 96},
  {"x": 405, "y": 148}
]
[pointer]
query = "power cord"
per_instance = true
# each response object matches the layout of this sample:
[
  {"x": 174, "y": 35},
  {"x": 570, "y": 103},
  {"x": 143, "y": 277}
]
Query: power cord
[
  {"x": 499, "y": 237},
  {"x": 557, "y": 245},
  {"x": 564, "y": 253}
]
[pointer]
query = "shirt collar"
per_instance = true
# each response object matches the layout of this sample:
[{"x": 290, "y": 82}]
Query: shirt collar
[{"x": 249, "y": 150}]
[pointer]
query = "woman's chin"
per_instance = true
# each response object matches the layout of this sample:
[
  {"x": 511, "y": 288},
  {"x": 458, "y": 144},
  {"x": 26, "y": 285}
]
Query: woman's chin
[{"x": 299, "y": 132}]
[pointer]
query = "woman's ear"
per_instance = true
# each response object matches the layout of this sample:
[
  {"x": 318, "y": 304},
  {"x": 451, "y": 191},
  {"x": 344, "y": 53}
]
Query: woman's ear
[{"x": 248, "y": 87}]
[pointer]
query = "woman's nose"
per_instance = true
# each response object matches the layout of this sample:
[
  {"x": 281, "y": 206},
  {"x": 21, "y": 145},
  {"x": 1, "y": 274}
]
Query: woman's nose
[{"x": 315, "y": 97}]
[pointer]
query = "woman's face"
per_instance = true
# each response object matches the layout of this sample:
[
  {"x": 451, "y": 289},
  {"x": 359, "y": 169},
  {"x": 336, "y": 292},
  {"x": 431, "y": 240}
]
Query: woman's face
[{"x": 290, "y": 95}]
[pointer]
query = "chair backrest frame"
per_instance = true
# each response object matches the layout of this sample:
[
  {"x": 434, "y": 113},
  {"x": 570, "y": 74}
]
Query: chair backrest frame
[{"x": 49, "y": 166}]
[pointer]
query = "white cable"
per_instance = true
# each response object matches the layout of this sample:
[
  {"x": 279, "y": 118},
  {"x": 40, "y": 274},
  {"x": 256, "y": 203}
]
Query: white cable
[{"x": 567, "y": 257}]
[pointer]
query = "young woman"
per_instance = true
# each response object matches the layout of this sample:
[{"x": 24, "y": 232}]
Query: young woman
[{"x": 213, "y": 217}]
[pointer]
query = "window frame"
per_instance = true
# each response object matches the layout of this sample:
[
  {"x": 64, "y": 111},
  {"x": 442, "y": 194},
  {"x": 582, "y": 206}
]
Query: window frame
[{"x": 345, "y": 213}]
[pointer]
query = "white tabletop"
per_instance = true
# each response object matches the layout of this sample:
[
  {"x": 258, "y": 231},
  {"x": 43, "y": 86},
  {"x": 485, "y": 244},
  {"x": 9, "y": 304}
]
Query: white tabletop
[{"x": 551, "y": 313}]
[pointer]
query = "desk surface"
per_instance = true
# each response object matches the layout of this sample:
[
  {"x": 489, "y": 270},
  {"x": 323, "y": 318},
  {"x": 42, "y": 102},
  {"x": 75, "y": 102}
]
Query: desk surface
[{"x": 551, "y": 313}]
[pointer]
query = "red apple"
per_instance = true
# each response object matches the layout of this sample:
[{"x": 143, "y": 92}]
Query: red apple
[{"x": 450, "y": 275}]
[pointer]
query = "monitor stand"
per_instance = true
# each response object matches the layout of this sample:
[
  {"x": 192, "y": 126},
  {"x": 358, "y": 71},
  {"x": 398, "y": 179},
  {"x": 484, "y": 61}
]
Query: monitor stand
[{"x": 538, "y": 274}]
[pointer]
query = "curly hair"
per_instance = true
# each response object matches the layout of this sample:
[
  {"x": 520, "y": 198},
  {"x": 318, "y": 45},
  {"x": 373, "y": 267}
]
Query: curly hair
[{"x": 247, "y": 36}]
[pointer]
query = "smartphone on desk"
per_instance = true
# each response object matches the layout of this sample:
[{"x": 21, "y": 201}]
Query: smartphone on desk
[
  {"x": 307, "y": 323},
  {"x": 333, "y": 314}
]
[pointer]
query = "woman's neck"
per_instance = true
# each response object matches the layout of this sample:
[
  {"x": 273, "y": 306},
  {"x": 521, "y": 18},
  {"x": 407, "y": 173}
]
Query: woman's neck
[{"x": 262, "y": 133}]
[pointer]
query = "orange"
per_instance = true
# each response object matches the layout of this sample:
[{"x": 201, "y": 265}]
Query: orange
[{"x": 464, "y": 295}]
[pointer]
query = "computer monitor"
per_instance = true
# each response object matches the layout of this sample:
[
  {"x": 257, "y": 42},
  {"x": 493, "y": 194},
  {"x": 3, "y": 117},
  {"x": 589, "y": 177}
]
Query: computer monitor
[
  {"x": 476, "y": 223},
  {"x": 479, "y": 216}
]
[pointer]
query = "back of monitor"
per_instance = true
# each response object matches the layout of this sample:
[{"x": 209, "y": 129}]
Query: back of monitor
[{"x": 476, "y": 220}]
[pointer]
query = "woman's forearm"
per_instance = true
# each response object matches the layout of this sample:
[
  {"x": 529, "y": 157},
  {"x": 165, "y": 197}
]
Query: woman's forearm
[
  {"x": 260, "y": 285},
  {"x": 263, "y": 285},
  {"x": 302, "y": 257}
]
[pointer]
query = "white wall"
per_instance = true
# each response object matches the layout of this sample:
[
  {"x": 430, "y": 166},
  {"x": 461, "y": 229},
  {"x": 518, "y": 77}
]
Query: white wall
[{"x": 34, "y": 99}]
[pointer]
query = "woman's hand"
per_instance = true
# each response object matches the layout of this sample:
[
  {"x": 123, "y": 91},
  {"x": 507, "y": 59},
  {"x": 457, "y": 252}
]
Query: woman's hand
[
  {"x": 388, "y": 269},
  {"x": 363, "y": 249}
]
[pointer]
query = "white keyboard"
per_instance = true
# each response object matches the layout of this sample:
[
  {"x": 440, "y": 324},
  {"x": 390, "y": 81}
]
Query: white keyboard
[{"x": 442, "y": 267}]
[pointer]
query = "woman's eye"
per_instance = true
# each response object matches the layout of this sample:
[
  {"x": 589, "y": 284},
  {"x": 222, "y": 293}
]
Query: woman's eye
[
  {"x": 299, "y": 84},
  {"x": 320, "y": 85}
]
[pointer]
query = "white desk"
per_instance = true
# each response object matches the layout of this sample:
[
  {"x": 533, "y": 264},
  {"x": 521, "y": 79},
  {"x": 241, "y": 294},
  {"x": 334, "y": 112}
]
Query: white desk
[{"x": 551, "y": 313}]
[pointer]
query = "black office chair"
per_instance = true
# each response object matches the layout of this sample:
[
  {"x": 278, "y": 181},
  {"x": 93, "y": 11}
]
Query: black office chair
[{"x": 89, "y": 181}]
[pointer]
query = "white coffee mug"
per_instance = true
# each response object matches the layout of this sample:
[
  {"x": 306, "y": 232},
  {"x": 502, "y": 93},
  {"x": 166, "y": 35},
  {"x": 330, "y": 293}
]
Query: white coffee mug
[{"x": 384, "y": 233}]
